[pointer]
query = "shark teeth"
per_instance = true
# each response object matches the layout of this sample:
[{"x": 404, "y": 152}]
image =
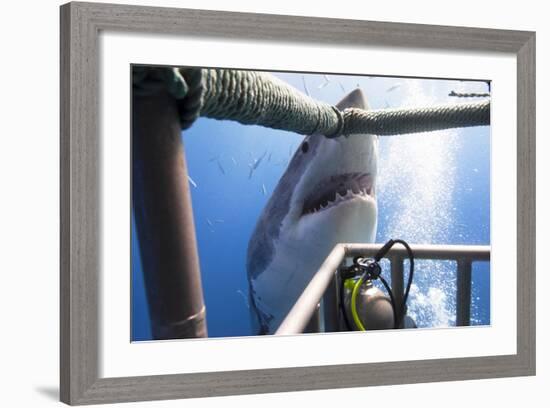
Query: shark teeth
[
  {"x": 338, "y": 188},
  {"x": 348, "y": 195}
]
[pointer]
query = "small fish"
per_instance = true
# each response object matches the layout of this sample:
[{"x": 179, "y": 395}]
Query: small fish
[
  {"x": 393, "y": 88},
  {"x": 240, "y": 292},
  {"x": 342, "y": 87},
  {"x": 254, "y": 166},
  {"x": 259, "y": 160},
  {"x": 233, "y": 160},
  {"x": 305, "y": 85},
  {"x": 264, "y": 190},
  {"x": 327, "y": 81},
  {"x": 209, "y": 222},
  {"x": 219, "y": 221},
  {"x": 191, "y": 181},
  {"x": 220, "y": 167}
]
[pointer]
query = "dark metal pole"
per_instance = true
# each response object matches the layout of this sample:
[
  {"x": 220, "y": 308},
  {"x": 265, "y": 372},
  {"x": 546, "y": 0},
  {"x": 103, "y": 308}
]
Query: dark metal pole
[
  {"x": 164, "y": 219},
  {"x": 463, "y": 291},
  {"x": 330, "y": 306},
  {"x": 397, "y": 282}
]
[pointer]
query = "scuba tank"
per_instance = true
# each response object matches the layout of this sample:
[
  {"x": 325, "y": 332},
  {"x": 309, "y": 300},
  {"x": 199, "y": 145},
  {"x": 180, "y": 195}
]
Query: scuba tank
[
  {"x": 373, "y": 307},
  {"x": 363, "y": 305}
]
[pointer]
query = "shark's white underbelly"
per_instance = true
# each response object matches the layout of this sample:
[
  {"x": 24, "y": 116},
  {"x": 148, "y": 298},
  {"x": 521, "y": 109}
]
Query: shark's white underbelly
[{"x": 301, "y": 251}]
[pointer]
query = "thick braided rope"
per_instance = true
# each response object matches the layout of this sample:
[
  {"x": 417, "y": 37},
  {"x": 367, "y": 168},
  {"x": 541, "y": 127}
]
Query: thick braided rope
[
  {"x": 149, "y": 80},
  {"x": 469, "y": 95},
  {"x": 257, "y": 98},
  {"x": 388, "y": 122}
]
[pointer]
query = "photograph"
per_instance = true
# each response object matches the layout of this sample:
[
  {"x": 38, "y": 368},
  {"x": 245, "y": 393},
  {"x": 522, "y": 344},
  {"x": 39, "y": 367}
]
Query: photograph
[{"x": 246, "y": 184}]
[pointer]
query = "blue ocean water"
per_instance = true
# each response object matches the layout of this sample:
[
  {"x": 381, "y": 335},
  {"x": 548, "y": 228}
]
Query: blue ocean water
[{"x": 433, "y": 188}]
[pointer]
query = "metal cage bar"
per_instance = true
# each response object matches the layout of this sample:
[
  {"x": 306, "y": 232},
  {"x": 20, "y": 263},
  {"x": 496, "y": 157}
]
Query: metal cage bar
[
  {"x": 463, "y": 291},
  {"x": 164, "y": 220},
  {"x": 397, "y": 280},
  {"x": 330, "y": 306}
]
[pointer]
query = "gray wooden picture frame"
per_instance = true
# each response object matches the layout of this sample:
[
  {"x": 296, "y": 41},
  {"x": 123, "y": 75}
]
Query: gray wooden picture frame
[{"x": 81, "y": 24}]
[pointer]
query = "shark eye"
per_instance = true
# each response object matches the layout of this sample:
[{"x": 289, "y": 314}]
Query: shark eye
[{"x": 305, "y": 147}]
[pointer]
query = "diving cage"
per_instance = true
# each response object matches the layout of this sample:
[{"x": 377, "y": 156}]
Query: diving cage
[{"x": 323, "y": 290}]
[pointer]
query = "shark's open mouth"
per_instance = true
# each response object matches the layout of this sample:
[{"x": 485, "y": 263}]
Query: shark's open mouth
[{"x": 337, "y": 189}]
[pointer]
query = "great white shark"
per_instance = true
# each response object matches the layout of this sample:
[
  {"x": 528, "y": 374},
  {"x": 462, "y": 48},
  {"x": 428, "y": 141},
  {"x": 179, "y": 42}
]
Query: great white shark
[{"x": 327, "y": 195}]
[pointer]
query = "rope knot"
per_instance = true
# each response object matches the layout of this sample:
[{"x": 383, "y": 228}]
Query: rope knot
[
  {"x": 191, "y": 104},
  {"x": 339, "y": 126}
]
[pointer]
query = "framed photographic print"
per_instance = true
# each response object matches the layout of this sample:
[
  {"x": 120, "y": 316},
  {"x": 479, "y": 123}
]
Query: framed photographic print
[{"x": 247, "y": 201}]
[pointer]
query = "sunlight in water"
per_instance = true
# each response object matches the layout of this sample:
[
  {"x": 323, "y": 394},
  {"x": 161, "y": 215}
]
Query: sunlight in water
[{"x": 417, "y": 178}]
